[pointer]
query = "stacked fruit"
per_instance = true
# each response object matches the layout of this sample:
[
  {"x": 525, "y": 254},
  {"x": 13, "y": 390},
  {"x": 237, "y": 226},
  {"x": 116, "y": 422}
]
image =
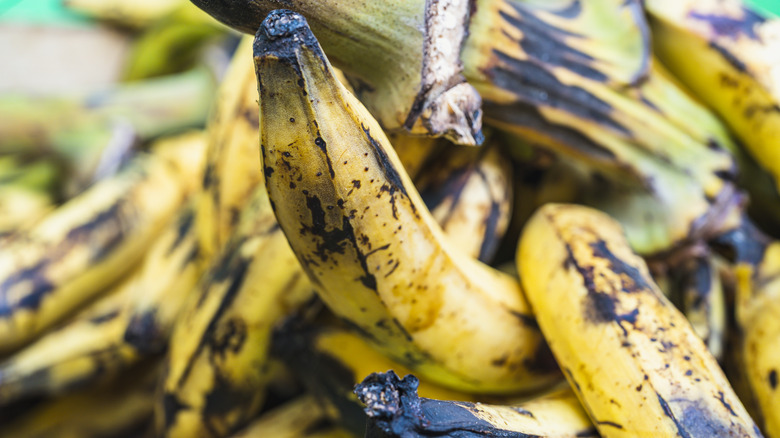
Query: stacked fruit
[{"x": 585, "y": 264}]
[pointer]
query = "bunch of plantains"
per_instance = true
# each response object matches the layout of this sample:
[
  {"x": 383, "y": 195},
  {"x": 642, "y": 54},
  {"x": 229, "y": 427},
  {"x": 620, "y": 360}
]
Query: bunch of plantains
[{"x": 406, "y": 218}]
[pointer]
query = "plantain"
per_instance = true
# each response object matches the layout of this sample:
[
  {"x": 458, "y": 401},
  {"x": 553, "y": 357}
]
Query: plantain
[
  {"x": 634, "y": 361},
  {"x": 131, "y": 321},
  {"x": 21, "y": 208},
  {"x": 758, "y": 313},
  {"x": 364, "y": 237},
  {"x": 121, "y": 408},
  {"x": 232, "y": 161},
  {"x": 217, "y": 365},
  {"x": 469, "y": 193},
  {"x": 395, "y": 410},
  {"x": 419, "y": 88},
  {"x": 302, "y": 417},
  {"x": 726, "y": 53},
  {"x": 92, "y": 240}
]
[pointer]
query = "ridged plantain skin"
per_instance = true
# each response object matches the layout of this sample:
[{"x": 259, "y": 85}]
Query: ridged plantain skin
[
  {"x": 217, "y": 364},
  {"x": 303, "y": 417},
  {"x": 758, "y": 313},
  {"x": 395, "y": 410},
  {"x": 364, "y": 237},
  {"x": 91, "y": 241},
  {"x": 634, "y": 361},
  {"x": 419, "y": 88}
]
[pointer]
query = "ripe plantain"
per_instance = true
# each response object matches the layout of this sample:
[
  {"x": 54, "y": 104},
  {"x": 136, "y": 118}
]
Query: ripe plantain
[
  {"x": 634, "y": 361},
  {"x": 395, "y": 410},
  {"x": 92, "y": 240},
  {"x": 758, "y": 315},
  {"x": 364, "y": 237},
  {"x": 419, "y": 87}
]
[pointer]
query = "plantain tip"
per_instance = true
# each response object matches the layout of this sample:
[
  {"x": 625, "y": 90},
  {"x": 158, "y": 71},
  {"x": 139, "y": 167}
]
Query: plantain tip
[{"x": 283, "y": 23}]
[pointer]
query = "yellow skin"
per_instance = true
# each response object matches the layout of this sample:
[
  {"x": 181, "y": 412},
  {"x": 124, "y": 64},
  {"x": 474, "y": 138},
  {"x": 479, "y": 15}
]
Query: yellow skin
[
  {"x": 300, "y": 418},
  {"x": 731, "y": 68},
  {"x": 372, "y": 250},
  {"x": 758, "y": 313},
  {"x": 91, "y": 241},
  {"x": 633, "y": 359}
]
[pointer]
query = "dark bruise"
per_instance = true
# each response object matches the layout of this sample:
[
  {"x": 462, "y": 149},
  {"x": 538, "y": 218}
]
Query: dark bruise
[
  {"x": 209, "y": 176},
  {"x": 772, "y": 378},
  {"x": 435, "y": 193},
  {"x": 542, "y": 361},
  {"x": 731, "y": 59},
  {"x": 491, "y": 239},
  {"x": 389, "y": 171},
  {"x": 225, "y": 399},
  {"x": 186, "y": 220},
  {"x": 536, "y": 86},
  {"x": 681, "y": 430},
  {"x": 336, "y": 240},
  {"x": 701, "y": 282},
  {"x": 144, "y": 334},
  {"x": 731, "y": 27},
  {"x": 697, "y": 421},
  {"x": 39, "y": 285},
  {"x": 395, "y": 410},
  {"x": 745, "y": 244},
  {"x": 171, "y": 407},
  {"x": 324, "y": 148},
  {"x": 546, "y": 43},
  {"x": 631, "y": 278},
  {"x": 110, "y": 219}
]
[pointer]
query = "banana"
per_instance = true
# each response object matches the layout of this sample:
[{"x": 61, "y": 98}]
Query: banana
[
  {"x": 303, "y": 417},
  {"x": 469, "y": 193},
  {"x": 395, "y": 410},
  {"x": 758, "y": 315},
  {"x": 727, "y": 54},
  {"x": 92, "y": 240},
  {"x": 364, "y": 237},
  {"x": 634, "y": 361},
  {"x": 127, "y": 13},
  {"x": 133, "y": 321},
  {"x": 217, "y": 365},
  {"x": 92, "y": 134},
  {"x": 232, "y": 161},
  {"x": 121, "y": 408},
  {"x": 419, "y": 88}
]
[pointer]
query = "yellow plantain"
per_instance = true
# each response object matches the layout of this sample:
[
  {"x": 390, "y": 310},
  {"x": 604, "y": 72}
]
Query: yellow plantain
[
  {"x": 217, "y": 364},
  {"x": 758, "y": 315},
  {"x": 469, "y": 193},
  {"x": 92, "y": 240},
  {"x": 419, "y": 86},
  {"x": 634, "y": 361},
  {"x": 364, "y": 237},
  {"x": 395, "y": 410},
  {"x": 21, "y": 208}
]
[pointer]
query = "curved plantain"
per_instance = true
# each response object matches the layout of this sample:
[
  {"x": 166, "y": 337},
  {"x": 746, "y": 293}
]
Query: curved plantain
[
  {"x": 634, "y": 361},
  {"x": 364, "y": 237},
  {"x": 92, "y": 240}
]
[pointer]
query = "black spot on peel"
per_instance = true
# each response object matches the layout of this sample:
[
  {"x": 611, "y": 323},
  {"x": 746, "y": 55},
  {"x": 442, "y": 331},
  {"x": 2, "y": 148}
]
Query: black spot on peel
[
  {"x": 610, "y": 424},
  {"x": 491, "y": 240},
  {"x": 324, "y": 148},
  {"x": 632, "y": 279},
  {"x": 35, "y": 280},
  {"x": 105, "y": 317},
  {"x": 144, "y": 334},
  {"x": 395, "y": 184},
  {"x": 183, "y": 228},
  {"x": 772, "y": 378},
  {"x": 722, "y": 399},
  {"x": 229, "y": 337}
]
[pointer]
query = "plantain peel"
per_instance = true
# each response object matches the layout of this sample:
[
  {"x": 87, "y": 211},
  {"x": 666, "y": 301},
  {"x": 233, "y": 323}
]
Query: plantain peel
[
  {"x": 419, "y": 88},
  {"x": 363, "y": 235},
  {"x": 635, "y": 362}
]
